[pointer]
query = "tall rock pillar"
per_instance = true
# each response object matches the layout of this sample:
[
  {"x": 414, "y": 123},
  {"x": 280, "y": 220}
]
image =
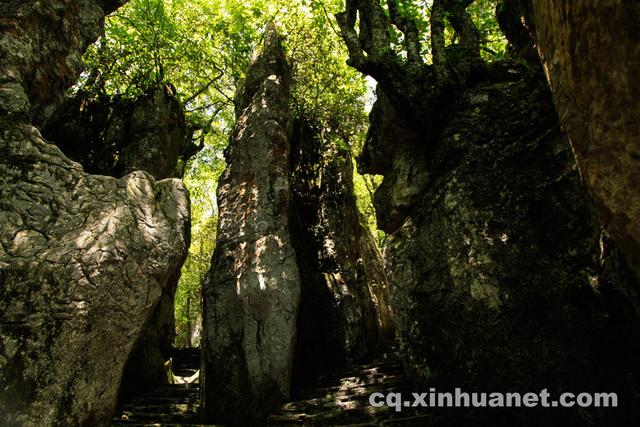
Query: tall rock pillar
[{"x": 252, "y": 291}]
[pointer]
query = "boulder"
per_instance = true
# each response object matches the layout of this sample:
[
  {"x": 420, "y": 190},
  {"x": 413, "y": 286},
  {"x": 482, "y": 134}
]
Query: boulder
[
  {"x": 84, "y": 259},
  {"x": 83, "y": 262},
  {"x": 115, "y": 136}
]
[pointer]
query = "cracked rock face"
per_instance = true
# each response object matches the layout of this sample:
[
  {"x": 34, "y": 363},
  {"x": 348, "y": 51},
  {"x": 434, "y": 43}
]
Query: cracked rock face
[
  {"x": 83, "y": 259},
  {"x": 115, "y": 136},
  {"x": 252, "y": 291},
  {"x": 500, "y": 279}
]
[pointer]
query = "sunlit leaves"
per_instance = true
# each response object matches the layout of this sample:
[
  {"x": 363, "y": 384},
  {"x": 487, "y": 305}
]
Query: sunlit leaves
[{"x": 493, "y": 43}]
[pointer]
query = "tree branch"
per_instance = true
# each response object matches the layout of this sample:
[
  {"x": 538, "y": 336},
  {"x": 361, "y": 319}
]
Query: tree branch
[
  {"x": 463, "y": 24},
  {"x": 437, "y": 39},
  {"x": 409, "y": 29},
  {"x": 203, "y": 89}
]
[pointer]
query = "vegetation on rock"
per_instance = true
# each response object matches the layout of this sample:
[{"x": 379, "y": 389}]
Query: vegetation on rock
[{"x": 355, "y": 168}]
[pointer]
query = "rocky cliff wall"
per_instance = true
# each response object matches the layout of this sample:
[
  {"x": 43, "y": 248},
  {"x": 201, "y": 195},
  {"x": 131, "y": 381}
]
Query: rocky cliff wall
[
  {"x": 500, "y": 276},
  {"x": 591, "y": 54},
  {"x": 83, "y": 259}
]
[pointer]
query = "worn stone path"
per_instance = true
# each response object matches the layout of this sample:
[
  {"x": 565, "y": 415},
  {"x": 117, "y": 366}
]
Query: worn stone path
[
  {"x": 168, "y": 405},
  {"x": 339, "y": 398},
  {"x": 342, "y": 398}
]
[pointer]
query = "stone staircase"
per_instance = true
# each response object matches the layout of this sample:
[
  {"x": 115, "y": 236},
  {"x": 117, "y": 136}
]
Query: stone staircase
[
  {"x": 167, "y": 405},
  {"x": 342, "y": 398},
  {"x": 338, "y": 398}
]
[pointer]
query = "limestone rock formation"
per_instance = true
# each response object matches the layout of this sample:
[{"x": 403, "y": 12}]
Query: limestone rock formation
[
  {"x": 116, "y": 136},
  {"x": 499, "y": 277},
  {"x": 591, "y": 54},
  {"x": 344, "y": 310},
  {"x": 83, "y": 259},
  {"x": 296, "y": 282},
  {"x": 400, "y": 162},
  {"x": 252, "y": 291}
]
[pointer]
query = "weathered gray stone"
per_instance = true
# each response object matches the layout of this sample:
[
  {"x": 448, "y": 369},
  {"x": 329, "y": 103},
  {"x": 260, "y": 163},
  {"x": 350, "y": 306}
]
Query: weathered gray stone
[
  {"x": 41, "y": 44},
  {"x": 115, "y": 136},
  {"x": 499, "y": 275},
  {"x": 400, "y": 162},
  {"x": 252, "y": 292},
  {"x": 83, "y": 259},
  {"x": 344, "y": 309},
  {"x": 293, "y": 268}
]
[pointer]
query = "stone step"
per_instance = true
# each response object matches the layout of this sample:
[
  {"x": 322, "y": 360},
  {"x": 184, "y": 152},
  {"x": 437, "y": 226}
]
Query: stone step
[
  {"x": 164, "y": 407},
  {"x": 346, "y": 417},
  {"x": 159, "y": 417},
  {"x": 184, "y": 372},
  {"x": 153, "y": 424},
  {"x": 341, "y": 398},
  {"x": 159, "y": 400},
  {"x": 173, "y": 390},
  {"x": 388, "y": 367},
  {"x": 335, "y": 394},
  {"x": 167, "y": 405}
]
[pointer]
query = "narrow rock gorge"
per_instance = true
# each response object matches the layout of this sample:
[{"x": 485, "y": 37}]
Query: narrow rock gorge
[
  {"x": 507, "y": 253},
  {"x": 344, "y": 310}
]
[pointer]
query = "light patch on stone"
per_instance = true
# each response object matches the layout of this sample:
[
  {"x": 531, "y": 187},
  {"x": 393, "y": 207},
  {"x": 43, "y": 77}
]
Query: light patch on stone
[
  {"x": 479, "y": 98},
  {"x": 487, "y": 293}
]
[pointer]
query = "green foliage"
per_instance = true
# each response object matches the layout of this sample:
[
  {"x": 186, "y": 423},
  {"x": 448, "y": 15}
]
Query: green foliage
[
  {"x": 483, "y": 13},
  {"x": 203, "y": 47},
  {"x": 201, "y": 179},
  {"x": 493, "y": 43},
  {"x": 326, "y": 91},
  {"x": 364, "y": 186}
]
